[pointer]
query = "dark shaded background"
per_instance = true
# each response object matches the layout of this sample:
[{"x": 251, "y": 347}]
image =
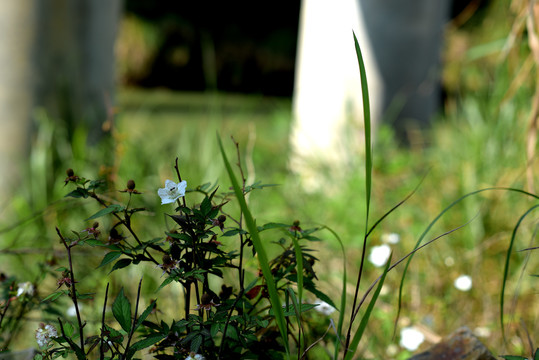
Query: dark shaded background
[{"x": 249, "y": 47}]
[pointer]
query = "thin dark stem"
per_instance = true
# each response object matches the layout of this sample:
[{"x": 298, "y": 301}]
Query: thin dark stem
[
  {"x": 73, "y": 290},
  {"x": 180, "y": 180},
  {"x": 134, "y": 323},
  {"x": 102, "y": 340}
]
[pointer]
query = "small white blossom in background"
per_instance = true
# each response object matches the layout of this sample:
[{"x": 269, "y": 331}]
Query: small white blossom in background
[
  {"x": 193, "y": 356},
  {"x": 411, "y": 338},
  {"x": 463, "y": 283},
  {"x": 26, "y": 288},
  {"x": 379, "y": 255},
  {"x": 172, "y": 191},
  {"x": 481, "y": 331},
  {"x": 323, "y": 307},
  {"x": 71, "y": 311},
  {"x": 449, "y": 261},
  {"x": 391, "y": 238},
  {"x": 44, "y": 334}
]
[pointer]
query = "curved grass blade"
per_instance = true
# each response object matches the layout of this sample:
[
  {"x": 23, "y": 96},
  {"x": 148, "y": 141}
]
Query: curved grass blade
[
  {"x": 261, "y": 252},
  {"x": 401, "y": 286},
  {"x": 506, "y": 267}
]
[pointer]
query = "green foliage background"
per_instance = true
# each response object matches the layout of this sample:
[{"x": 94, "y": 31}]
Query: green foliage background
[{"x": 478, "y": 141}]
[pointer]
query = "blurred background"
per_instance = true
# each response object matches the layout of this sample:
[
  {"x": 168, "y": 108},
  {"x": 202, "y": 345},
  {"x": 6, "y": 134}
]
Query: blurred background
[{"x": 118, "y": 89}]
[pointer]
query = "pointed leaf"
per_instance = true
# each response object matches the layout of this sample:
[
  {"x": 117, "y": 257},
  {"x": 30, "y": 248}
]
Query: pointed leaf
[
  {"x": 110, "y": 257},
  {"x": 149, "y": 341},
  {"x": 121, "y": 309},
  {"x": 109, "y": 209}
]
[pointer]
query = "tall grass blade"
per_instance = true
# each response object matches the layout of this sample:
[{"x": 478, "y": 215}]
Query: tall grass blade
[
  {"x": 436, "y": 220},
  {"x": 506, "y": 267},
  {"x": 367, "y": 124},
  {"x": 350, "y": 352},
  {"x": 261, "y": 252},
  {"x": 368, "y": 174}
]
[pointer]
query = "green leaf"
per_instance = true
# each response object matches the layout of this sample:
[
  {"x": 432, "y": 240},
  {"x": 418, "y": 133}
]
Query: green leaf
[
  {"x": 85, "y": 296},
  {"x": 95, "y": 184},
  {"x": 214, "y": 329},
  {"x": 110, "y": 257},
  {"x": 206, "y": 206},
  {"x": 55, "y": 295},
  {"x": 121, "y": 309},
  {"x": 233, "y": 232},
  {"x": 320, "y": 295},
  {"x": 149, "y": 341},
  {"x": 69, "y": 329},
  {"x": 272, "y": 225},
  {"x": 78, "y": 193},
  {"x": 114, "y": 208},
  {"x": 145, "y": 314},
  {"x": 512, "y": 357},
  {"x": 180, "y": 236},
  {"x": 120, "y": 264},
  {"x": 196, "y": 342},
  {"x": 165, "y": 282}
]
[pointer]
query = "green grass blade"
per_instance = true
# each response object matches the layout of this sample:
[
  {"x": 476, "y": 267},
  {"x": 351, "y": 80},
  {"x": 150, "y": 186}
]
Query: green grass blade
[
  {"x": 401, "y": 286},
  {"x": 297, "y": 309},
  {"x": 367, "y": 124},
  {"x": 365, "y": 319},
  {"x": 506, "y": 267},
  {"x": 261, "y": 252}
]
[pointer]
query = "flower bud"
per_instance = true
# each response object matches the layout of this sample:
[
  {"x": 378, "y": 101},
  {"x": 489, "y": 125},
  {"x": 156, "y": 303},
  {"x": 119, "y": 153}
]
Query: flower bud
[
  {"x": 221, "y": 218},
  {"x": 205, "y": 299},
  {"x": 167, "y": 260},
  {"x": 131, "y": 184},
  {"x": 70, "y": 172}
]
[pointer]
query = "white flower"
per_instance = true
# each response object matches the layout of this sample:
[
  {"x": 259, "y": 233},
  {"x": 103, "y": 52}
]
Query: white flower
[
  {"x": 71, "y": 311},
  {"x": 26, "y": 288},
  {"x": 463, "y": 283},
  {"x": 411, "y": 338},
  {"x": 323, "y": 307},
  {"x": 193, "y": 356},
  {"x": 44, "y": 334},
  {"x": 172, "y": 191},
  {"x": 392, "y": 238},
  {"x": 379, "y": 255}
]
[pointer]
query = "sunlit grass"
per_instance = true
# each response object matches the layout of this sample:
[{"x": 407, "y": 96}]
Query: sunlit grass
[{"x": 478, "y": 142}]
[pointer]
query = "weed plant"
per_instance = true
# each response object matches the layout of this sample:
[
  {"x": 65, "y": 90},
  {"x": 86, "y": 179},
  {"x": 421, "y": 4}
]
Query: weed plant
[{"x": 480, "y": 144}]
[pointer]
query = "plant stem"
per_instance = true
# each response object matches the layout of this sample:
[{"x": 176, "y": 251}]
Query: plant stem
[{"x": 73, "y": 289}]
